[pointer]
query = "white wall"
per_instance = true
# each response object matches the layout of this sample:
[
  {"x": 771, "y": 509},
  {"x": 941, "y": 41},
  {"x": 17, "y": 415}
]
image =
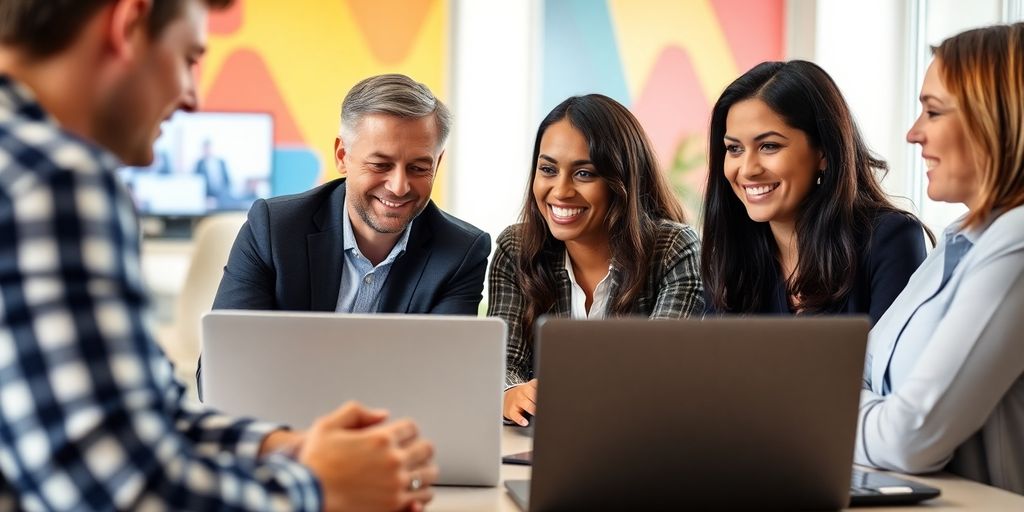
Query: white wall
[
  {"x": 860, "y": 45},
  {"x": 877, "y": 51},
  {"x": 494, "y": 96}
]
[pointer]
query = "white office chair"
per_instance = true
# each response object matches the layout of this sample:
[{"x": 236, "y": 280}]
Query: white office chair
[{"x": 213, "y": 238}]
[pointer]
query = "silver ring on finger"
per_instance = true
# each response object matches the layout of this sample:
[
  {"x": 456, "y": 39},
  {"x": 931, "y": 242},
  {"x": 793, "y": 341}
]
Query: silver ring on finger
[{"x": 415, "y": 484}]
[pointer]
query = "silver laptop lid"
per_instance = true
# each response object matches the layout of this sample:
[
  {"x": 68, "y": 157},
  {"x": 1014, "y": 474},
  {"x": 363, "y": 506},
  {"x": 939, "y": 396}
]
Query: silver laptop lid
[
  {"x": 445, "y": 372},
  {"x": 748, "y": 413}
]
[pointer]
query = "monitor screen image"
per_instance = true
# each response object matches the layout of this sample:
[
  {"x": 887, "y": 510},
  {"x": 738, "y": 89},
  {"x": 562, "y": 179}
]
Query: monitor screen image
[{"x": 204, "y": 162}]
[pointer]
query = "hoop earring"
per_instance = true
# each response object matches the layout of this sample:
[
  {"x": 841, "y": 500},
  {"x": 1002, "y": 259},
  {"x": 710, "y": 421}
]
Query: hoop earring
[{"x": 821, "y": 174}]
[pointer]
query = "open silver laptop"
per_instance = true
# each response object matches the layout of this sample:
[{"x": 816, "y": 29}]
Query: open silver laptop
[
  {"x": 444, "y": 372},
  {"x": 751, "y": 413}
]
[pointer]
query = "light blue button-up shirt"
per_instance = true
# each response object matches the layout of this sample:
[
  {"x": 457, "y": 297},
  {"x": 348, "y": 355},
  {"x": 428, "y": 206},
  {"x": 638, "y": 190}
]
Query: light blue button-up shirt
[
  {"x": 361, "y": 282},
  {"x": 944, "y": 375}
]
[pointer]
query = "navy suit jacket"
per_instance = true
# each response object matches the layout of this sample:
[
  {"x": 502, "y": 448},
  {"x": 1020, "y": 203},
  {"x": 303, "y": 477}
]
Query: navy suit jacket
[{"x": 288, "y": 256}]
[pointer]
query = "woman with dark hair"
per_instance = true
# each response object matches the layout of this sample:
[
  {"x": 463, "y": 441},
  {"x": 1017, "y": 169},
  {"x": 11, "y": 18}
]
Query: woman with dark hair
[
  {"x": 795, "y": 220},
  {"x": 944, "y": 376},
  {"x": 600, "y": 234}
]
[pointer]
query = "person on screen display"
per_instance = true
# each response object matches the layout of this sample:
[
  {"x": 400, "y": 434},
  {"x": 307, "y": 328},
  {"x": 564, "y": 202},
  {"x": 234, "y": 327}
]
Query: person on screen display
[{"x": 214, "y": 171}]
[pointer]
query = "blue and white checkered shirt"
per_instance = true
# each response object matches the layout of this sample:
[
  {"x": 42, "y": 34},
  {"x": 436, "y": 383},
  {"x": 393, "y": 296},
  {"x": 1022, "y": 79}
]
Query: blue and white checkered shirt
[{"x": 91, "y": 417}]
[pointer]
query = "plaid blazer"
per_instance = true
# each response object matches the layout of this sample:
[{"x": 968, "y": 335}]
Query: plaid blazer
[{"x": 674, "y": 289}]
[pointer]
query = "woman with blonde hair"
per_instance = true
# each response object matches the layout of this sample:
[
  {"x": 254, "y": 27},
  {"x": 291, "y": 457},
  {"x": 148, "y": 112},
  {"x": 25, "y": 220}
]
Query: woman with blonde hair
[{"x": 944, "y": 376}]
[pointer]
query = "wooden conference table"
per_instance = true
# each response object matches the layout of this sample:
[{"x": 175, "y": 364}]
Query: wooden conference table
[{"x": 957, "y": 493}]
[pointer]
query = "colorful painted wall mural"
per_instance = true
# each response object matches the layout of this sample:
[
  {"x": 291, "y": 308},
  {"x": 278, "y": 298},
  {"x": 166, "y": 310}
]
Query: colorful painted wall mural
[
  {"x": 297, "y": 60},
  {"x": 667, "y": 60}
]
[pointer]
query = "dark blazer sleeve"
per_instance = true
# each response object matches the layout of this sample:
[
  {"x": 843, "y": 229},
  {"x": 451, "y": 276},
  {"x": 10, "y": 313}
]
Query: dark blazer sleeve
[
  {"x": 248, "y": 281},
  {"x": 463, "y": 293},
  {"x": 505, "y": 300},
  {"x": 897, "y": 249}
]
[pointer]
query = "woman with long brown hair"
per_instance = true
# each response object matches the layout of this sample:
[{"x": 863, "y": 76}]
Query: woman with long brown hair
[
  {"x": 600, "y": 235},
  {"x": 795, "y": 219}
]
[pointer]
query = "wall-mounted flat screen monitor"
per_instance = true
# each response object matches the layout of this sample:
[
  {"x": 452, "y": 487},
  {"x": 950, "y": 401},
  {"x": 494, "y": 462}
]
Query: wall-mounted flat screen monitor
[{"x": 205, "y": 162}]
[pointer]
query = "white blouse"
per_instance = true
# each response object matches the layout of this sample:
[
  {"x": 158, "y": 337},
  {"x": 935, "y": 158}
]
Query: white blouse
[{"x": 578, "y": 298}]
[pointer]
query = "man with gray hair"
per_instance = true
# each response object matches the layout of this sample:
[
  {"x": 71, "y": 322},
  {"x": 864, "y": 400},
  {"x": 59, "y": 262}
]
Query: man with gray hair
[{"x": 371, "y": 241}]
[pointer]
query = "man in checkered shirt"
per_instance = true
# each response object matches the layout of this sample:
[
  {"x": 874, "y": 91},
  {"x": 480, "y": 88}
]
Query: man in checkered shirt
[{"x": 91, "y": 417}]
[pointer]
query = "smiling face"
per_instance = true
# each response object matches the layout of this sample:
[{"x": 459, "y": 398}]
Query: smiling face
[
  {"x": 771, "y": 166},
  {"x": 953, "y": 176},
  {"x": 569, "y": 193},
  {"x": 390, "y": 165}
]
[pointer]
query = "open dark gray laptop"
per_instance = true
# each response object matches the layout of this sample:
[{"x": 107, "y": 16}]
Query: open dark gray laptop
[{"x": 752, "y": 413}]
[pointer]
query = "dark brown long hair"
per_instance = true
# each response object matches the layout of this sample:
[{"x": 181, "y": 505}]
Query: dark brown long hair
[
  {"x": 738, "y": 254},
  {"x": 640, "y": 197}
]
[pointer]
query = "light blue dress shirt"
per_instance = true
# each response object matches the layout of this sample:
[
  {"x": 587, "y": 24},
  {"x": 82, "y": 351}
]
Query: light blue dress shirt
[
  {"x": 361, "y": 282},
  {"x": 943, "y": 386}
]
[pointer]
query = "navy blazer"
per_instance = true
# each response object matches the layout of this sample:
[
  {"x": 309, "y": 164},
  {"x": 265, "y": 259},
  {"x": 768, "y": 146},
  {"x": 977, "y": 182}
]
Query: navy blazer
[
  {"x": 289, "y": 256},
  {"x": 894, "y": 250}
]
